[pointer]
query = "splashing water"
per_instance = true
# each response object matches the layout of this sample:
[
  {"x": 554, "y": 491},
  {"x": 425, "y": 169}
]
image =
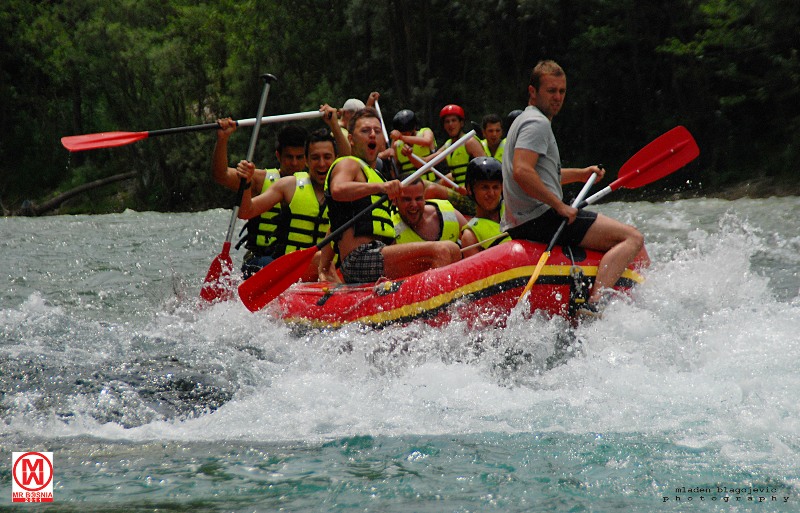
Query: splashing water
[{"x": 691, "y": 381}]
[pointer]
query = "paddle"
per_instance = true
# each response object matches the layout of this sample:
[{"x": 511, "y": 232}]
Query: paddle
[
  {"x": 661, "y": 157},
  {"x": 546, "y": 254},
  {"x": 493, "y": 237},
  {"x": 268, "y": 283},
  {"x": 386, "y": 138},
  {"x": 215, "y": 286},
  {"x": 113, "y": 139},
  {"x": 415, "y": 157}
]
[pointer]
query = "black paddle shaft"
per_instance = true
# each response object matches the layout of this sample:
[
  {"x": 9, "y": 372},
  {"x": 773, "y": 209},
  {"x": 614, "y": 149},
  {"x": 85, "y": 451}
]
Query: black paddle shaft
[
  {"x": 336, "y": 233},
  {"x": 182, "y": 129},
  {"x": 267, "y": 77}
]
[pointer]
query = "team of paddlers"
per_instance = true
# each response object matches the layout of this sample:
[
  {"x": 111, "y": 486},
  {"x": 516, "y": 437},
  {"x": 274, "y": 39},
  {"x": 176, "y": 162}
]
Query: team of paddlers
[{"x": 490, "y": 190}]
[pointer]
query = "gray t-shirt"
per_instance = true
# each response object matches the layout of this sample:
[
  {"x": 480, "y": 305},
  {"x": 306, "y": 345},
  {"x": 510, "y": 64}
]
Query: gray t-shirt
[{"x": 531, "y": 131}]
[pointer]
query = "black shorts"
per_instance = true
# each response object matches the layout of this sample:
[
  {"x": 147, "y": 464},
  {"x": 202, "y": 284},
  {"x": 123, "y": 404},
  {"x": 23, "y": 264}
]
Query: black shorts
[{"x": 542, "y": 228}]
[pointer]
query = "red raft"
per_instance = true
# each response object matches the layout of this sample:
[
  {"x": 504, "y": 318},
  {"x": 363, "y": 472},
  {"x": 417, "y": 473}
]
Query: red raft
[{"x": 482, "y": 289}]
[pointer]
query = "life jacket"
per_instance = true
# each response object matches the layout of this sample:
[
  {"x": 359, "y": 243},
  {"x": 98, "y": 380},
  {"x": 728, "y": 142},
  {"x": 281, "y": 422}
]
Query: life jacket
[
  {"x": 500, "y": 149},
  {"x": 377, "y": 223},
  {"x": 484, "y": 229},
  {"x": 420, "y": 151},
  {"x": 304, "y": 223},
  {"x": 261, "y": 229},
  {"x": 448, "y": 224},
  {"x": 457, "y": 162}
]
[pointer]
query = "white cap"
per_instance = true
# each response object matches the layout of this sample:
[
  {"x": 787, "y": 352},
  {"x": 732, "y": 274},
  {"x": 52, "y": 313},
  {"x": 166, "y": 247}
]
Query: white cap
[{"x": 353, "y": 105}]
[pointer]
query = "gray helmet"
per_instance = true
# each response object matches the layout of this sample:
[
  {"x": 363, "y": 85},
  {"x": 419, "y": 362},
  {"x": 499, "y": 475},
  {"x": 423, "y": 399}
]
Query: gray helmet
[{"x": 404, "y": 121}]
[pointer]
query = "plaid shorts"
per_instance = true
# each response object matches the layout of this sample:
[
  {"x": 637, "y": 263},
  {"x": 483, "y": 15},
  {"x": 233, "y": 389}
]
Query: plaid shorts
[{"x": 364, "y": 264}]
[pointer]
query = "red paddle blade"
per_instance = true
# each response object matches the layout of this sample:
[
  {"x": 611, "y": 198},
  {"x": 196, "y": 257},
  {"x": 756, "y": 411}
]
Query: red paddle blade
[
  {"x": 268, "y": 283},
  {"x": 218, "y": 286},
  {"x": 101, "y": 140},
  {"x": 666, "y": 154}
]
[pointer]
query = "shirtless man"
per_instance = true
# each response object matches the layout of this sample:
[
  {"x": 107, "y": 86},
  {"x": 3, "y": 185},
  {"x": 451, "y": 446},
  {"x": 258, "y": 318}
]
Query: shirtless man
[
  {"x": 366, "y": 249},
  {"x": 419, "y": 220}
]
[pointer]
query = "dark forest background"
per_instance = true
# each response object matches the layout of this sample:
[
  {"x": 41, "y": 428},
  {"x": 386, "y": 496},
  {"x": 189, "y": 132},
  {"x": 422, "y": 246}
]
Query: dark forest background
[{"x": 728, "y": 70}]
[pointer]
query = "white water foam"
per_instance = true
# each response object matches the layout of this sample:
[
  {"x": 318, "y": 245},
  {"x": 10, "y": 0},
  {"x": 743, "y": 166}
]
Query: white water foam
[{"x": 703, "y": 352}]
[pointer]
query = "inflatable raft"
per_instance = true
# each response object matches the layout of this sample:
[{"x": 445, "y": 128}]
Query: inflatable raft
[{"x": 481, "y": 289}]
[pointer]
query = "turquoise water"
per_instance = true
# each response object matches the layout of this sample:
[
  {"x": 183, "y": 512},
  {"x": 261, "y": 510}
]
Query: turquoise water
[{"x": 682, "y": 398}]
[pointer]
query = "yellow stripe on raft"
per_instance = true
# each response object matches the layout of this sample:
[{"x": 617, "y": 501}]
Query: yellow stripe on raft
[{"x": 415, "y": 309}]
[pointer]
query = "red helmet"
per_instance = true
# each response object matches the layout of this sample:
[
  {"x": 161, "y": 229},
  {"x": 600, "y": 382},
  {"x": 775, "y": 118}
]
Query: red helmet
[{"x": 452, "y": 110}]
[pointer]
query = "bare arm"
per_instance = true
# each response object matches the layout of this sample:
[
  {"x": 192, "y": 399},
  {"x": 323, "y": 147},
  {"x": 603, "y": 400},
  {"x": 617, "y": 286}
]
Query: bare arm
[
  {"x": 373, "y": 97},
  {"x": 281, "y": 191},
  {"x": 326, "y": 269},
  {"x": 435, "y": 190},
  {"x": 426, "y": 139},
  {"x": 468, "y": 239},
  {"x": 332, "y": 120},
  {"x": 474, "y": 148},
  {"x": 571, "y": 175},
  {"x": 524, "y": 173},
  {"x": 222, "y": 173},
  {"x": 347, "y": 183}
]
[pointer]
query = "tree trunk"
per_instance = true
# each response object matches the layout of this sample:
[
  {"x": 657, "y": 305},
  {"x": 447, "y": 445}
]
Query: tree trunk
[{"x": 29, "y": 209}]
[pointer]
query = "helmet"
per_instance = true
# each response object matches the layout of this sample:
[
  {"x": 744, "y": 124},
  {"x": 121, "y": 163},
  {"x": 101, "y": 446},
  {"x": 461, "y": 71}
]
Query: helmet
[
  {"x": 404, "y": 121},
  {"x": 483, "y": 168},
  {"x": 452, "y": 110},
  {"x": 353, "y": 105},
  {"x": 511, "y": 117}
]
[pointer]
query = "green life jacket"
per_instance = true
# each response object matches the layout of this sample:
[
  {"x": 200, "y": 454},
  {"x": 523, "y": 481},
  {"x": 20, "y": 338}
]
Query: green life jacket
[
  {"x": 420, "y": 151},
  {"x": 306, "y": 221},
  {"x": 457, "y": 162},
  {"x": 261, "y": 229},
  {"x": 448, "y": 224},
  {"x": 377, "y": 223},
  {"x": 485, "y": 229},
  {"x": 500, "y": 149}
]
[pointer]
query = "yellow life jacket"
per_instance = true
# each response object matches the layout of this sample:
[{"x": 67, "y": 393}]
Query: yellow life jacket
[
  {"x": 485, "y": 229},
  {"x": 420, "y": 151},
  {"x": 500, "y": 149},
  {"x": 261, "y": 229},
  {"x": 448, "y": 224},
  {"x": 304, "y": 223},
  {"x": 377, "y": 223},
  {"x": 457, "y": 162}
]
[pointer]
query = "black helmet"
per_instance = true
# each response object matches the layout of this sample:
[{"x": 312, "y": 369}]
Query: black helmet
[
  {"x": 483, "y": 168},
  {"x": 404, "y": 121},
  {"x": 511, "y": 117}
]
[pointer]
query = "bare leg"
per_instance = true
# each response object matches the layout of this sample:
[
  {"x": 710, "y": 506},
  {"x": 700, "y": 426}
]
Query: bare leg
[
  {"x": 621, "y": 242},
  {"x": 311, "y": 273},
  {"x": 436, "y": 191},
  {"x": 401, "y": 260}
]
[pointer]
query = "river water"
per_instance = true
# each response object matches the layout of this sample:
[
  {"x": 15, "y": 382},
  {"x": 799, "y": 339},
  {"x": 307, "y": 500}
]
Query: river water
[{"x": 683, "y": 397}]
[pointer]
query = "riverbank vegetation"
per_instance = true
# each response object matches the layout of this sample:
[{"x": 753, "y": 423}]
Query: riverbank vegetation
[{"x": 728, "y": 70}]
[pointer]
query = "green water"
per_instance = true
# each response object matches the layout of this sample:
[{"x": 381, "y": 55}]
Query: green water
[{"x": 682, "y": 398}]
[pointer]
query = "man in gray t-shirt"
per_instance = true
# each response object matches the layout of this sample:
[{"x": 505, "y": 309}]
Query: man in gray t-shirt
[
  {"x": 531, "y": 131},
  {"x": 532, "y": 179}
]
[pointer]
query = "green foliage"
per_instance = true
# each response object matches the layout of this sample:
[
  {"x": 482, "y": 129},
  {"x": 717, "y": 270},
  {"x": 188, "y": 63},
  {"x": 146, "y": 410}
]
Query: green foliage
[{"x": 727, "y": 69}]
